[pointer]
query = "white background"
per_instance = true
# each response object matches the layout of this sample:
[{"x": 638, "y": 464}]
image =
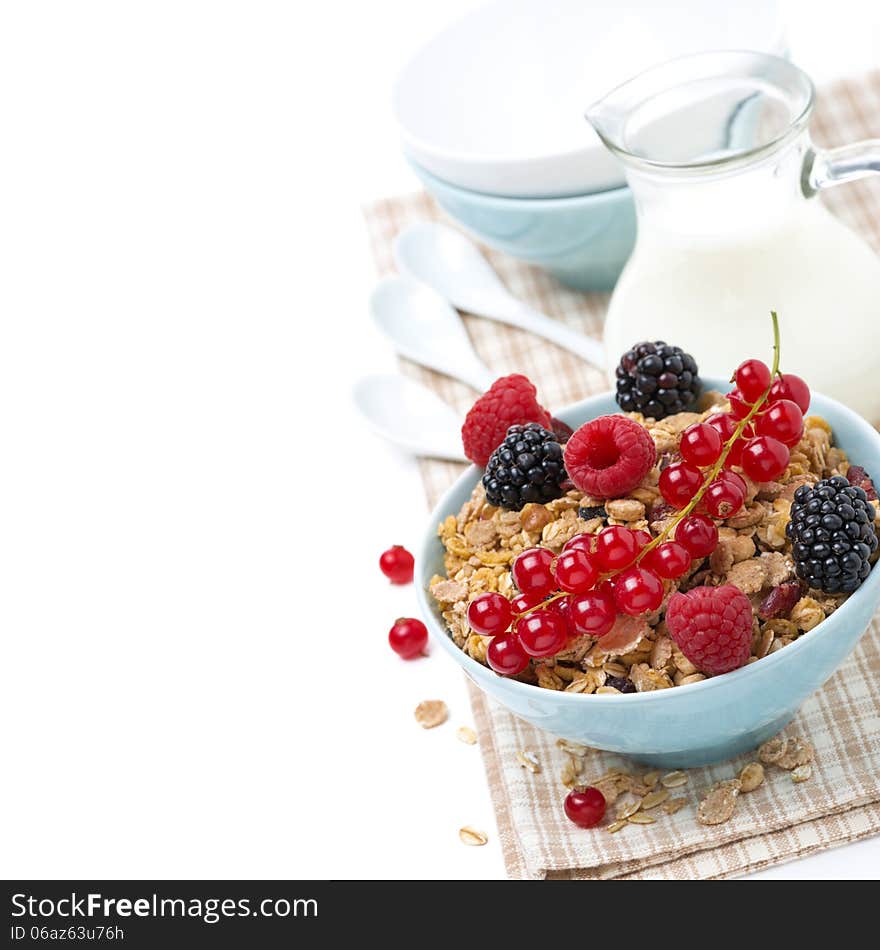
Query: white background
[{"x": 195, "y": 681}]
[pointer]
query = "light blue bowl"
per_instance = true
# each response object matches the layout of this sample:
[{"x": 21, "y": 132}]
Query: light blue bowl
[
  {"x": 687, "y": 726},
  {"x": 583, "y": 241}
]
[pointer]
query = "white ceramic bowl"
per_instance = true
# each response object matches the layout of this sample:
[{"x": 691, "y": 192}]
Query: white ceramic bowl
[{"x": 495, "y": 102}]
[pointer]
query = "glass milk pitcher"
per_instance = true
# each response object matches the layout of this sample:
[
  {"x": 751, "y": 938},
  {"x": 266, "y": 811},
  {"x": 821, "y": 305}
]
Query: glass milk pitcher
[{"x": 718, "y": 156}]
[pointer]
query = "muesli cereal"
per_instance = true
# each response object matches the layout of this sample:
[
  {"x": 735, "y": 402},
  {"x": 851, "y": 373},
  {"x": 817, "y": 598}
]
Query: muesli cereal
[{"x": 752, "y": 554}]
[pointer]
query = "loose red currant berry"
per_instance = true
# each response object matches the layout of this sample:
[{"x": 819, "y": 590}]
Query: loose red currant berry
[
  {"x": 638, "y": 590},
  {"x": 408, "y": 637},
  {"x": 792, "y": 387},
  {"x": 397, "y": 564},
  {"x": 669, "y": 560},
  {"x": 489, "y": 614},
  {"x": 723, "y": 499},
  {"x": 592, "y": 614},
  {"x": 679, "y": 483},
  {"x": 752, "y": 379},
  {"x": 506, "y": 656},
  {"x": 583, "y": 541},
  {"x": 738, "y": 405},
  {"x": 586, "y": 809},
  {"x": 523, "y": 603},
  {"x": 700, "y": 444},
  {"x": 764, "y": 458},
  {"x": 576, "y": 571},
  {"x": 533, "y": 571},
  {"x": 782, "y": 420},
  {"x": 542, "y": 633},
  {"x": 616, "y": 547},
  {"x": 698, "y": 534}
]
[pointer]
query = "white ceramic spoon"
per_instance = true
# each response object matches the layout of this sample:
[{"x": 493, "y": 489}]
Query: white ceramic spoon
[
  {"x": 424, "y": 328},
  {"x": 446, "y": 260},
  {"x": 411, "y": 415}
]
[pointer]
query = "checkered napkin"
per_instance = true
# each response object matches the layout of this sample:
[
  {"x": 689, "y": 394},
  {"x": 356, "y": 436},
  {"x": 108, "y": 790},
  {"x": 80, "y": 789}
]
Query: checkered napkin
[{"x": 779, "y": 821}]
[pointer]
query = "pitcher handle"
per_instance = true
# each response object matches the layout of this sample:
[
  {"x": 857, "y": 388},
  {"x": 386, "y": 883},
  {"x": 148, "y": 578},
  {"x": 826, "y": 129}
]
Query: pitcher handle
[{"x": 825, "y": 167}]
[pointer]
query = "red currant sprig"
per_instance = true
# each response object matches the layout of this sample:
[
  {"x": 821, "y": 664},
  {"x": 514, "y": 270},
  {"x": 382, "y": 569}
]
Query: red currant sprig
[{"x": 573, "y": 595}]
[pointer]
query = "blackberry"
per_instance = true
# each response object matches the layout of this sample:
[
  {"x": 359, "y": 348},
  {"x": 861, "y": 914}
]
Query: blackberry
[
  {"x": 832, "y": 535},
  {"x": 526, "y": 467},
  {"x": 657, "y": 380}
]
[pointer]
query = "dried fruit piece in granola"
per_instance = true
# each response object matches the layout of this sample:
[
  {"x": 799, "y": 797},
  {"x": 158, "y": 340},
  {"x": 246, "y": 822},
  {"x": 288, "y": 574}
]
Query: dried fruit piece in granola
[{"x": 779, "y": 601}]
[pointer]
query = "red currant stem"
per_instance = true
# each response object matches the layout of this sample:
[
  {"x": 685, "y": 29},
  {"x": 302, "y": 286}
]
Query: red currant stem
[{"x": 692, "y": 504}]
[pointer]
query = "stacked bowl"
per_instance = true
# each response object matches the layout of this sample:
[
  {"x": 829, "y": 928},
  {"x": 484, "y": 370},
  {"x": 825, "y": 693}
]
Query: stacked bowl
[{"x": 491, "y": 118}]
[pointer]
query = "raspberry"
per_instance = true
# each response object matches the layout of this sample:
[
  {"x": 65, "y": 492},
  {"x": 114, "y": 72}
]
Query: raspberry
[
  {"x": 608, "y": 457},
  {"x": 509, "y": 401},
  {"x": 712, "y": 627}
]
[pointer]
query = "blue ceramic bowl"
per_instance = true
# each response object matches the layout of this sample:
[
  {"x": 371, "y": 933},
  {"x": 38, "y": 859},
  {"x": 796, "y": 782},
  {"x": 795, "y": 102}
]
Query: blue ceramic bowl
[
  {"x": 709, "y": 721},
  {"x": 583, "y": 241}
]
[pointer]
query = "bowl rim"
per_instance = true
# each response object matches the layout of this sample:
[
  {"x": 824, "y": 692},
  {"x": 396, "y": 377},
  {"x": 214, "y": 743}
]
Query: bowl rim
[
  {"x": 517, "y": 203},
  {"x": 440, "y": 634}
]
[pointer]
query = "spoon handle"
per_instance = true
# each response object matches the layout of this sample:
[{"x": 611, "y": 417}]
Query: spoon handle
[{"x": 521, "y": 315}]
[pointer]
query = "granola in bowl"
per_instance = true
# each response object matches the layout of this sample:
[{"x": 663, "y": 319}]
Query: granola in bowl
[
  {"x": 638, "y": 553},
  {"x": 753, "y": 554}
]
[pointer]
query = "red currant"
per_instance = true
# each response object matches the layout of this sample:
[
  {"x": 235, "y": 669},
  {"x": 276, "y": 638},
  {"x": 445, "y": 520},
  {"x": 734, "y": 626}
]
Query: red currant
[
  {"x": 616, "y": 547},
  {"x": 700, "y": 444},
  {"x": 506, "y": 656},
  {"x": 397, "y": 564},
  {"x": 738, "y": 482},
  {"x": 726, "y": 426},
  {"x": 752, "y": 379},
  {"x": 542, "y": 633},
  {"x": 792, "y": 387},
  {"x": 523, "y": 603},
  {"x": 489, "y": 614},
  {"x": 698, "y": 534},
  {"x": 408, "y": 637},
  {"x": 738, "y": 405},
  {"x": 782, "y": 420},
  {"x": 764, "y": 458},
  {"x": 643, "y": 538},
  {"x": 587, "y": 808},
  {"x": 679, "y": 483},
  {"x": 669, "y": 560},
  {"x": 576, "y": 571},
  {"x": 562, "y": 606},
  {"x": 592, "y": 613},
  {"x": 533, "y": 571},
  {"x": 582, "y": 541},
  {"x": 638, "y": 590},
  {"x": 723, "y": 499}
]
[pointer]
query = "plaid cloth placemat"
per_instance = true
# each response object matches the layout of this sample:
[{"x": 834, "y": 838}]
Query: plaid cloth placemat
[{"x": 779, "y": 821}]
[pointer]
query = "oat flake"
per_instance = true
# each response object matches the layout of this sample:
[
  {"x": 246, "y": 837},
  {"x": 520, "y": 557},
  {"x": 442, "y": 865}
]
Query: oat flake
[
  {"x": 466, "y": 735},
  {"x": 718, "y": 806},
  {"x": 653, "y": 799},
  {"x": 751, "y": 777},
  {"x": 472, "y": 837},
  {"x": 674, "y": 779},
  {"x": 640, "y": 818},
  {"x": 431, "y": 713}
]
